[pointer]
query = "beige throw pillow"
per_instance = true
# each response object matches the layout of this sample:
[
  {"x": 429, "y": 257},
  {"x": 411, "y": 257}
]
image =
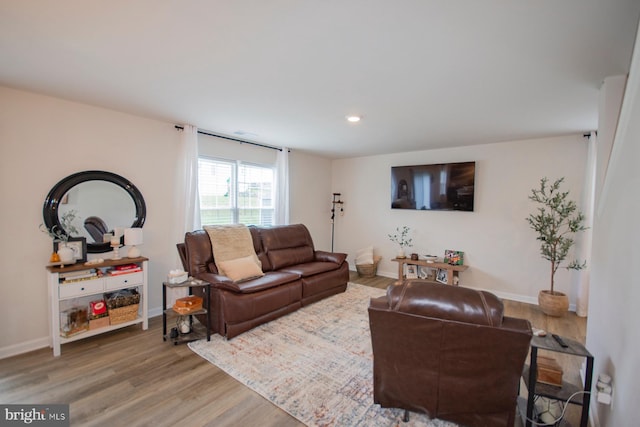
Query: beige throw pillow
[
  {"x": 240, "y": 269},
  {"x": 364, "y": 256}
]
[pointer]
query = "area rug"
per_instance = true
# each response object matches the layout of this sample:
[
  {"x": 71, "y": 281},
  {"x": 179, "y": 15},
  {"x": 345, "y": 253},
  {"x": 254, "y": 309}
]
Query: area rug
[{"x": 316, "y": 363}]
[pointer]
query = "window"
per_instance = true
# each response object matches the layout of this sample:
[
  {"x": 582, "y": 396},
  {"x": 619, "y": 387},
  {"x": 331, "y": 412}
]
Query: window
[{"x": 233, "y": 192}]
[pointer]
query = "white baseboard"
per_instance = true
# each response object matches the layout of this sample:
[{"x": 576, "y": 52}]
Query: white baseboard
[
  {"x": 24, "y": 347},
  {"x": 502, "y": 295},
  {"x": 38, "y": 343}
]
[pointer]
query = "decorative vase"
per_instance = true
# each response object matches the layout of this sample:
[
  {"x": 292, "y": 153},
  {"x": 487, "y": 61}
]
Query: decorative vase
[
  {"x": 66, "y": 254},
  {"x": 555, "y": 305},
  {"x": 54, "y": 257},
  {"x": 401, "y": 253}
]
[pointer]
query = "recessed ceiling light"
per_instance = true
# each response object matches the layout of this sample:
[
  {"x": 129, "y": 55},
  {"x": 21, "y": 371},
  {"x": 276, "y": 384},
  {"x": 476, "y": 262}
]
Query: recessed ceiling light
[{"x": 353, "y": 119}]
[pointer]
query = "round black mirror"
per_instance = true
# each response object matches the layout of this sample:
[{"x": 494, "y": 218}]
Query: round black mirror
[{"x": 103, "y": 201}]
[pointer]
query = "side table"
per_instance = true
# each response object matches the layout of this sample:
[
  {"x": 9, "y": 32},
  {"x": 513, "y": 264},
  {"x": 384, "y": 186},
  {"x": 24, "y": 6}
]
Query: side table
[
  {"x": 451, "y": 270},
  {"x": 168, "y": 311},
  {"x": 567, "y": 390}
]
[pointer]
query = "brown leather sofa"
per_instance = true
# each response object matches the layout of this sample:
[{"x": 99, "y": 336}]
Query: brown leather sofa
[
  {"x": 448, "y": 352},
  {"x": 295, "y": 275}
]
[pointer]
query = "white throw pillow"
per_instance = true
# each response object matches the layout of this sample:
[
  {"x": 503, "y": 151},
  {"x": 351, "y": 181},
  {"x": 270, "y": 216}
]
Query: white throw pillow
[
  {"x": 364, "y": 256},
  {"x": 241, "y": 269}
]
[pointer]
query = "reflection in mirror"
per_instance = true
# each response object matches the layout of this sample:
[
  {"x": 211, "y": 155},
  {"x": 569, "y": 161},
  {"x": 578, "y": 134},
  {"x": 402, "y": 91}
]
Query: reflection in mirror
[
  {"x": 103, "y": 202},
  {"x": 105, "y": 205}
]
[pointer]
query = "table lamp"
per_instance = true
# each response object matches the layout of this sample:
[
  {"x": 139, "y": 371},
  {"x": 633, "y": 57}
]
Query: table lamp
[{"x": 132, "y": 238}]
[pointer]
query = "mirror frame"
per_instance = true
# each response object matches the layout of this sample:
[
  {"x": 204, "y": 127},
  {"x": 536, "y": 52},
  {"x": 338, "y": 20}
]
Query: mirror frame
[{"x": 52, "y": 202}]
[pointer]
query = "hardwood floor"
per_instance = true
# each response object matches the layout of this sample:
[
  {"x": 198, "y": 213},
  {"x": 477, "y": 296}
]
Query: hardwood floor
[{"x": 132, "y": 377}]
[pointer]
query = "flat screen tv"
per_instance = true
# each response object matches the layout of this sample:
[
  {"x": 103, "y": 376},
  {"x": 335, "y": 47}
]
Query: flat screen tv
[{"x": 444, "y": 186}]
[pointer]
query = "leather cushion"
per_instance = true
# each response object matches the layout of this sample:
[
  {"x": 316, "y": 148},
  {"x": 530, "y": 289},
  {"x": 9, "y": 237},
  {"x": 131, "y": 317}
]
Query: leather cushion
[
  {"x": 311, "y": 268},
  {"x": 287, "y": 245},
  {"x": 447, "y": 302}
]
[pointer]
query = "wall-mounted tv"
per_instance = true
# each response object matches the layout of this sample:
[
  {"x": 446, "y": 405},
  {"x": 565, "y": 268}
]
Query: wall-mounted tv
[{"x": 444, "y": 186}]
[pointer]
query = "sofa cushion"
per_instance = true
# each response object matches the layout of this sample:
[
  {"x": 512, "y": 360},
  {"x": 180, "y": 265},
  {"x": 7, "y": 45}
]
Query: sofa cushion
[
  {"x": 287, "y": 245},
  {"x": 271, "y": 279},
  {"x": 241, "y": 268},
  {"x": 311, "y": 268}
]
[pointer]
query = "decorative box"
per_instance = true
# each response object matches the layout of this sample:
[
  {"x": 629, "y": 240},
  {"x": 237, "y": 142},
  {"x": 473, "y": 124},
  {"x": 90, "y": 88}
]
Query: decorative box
[
  {"x": 188, "y": 304},
  {"x": 177, "y": 276},
  {"x": 98, "y": 323},
  {"x": 549, "y": 371},
  {"x": 97, "y": 309}
]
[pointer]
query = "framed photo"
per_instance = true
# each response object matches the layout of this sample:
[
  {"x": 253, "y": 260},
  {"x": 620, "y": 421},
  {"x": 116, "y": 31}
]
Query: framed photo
[
  {"x": 453, "y": 257},
  {"x": 78, "y": 245},
  {"x": 412, "y": 271},
  {"x": 441, "y": 276}
]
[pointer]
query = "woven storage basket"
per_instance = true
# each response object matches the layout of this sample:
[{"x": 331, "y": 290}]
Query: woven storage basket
[
  {"x": 123, "y": 314},
  {"x": 368, "y": 270}
]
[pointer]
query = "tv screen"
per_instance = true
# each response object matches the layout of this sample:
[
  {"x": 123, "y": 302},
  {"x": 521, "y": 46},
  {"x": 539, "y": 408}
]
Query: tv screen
[{"x": 444, "y": 186}]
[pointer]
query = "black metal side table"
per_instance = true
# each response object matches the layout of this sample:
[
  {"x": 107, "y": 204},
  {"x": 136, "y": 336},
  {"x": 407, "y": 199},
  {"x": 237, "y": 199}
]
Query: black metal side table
[
  {"x": 169, "y": 311},
  {"x": 566, "y": 393}
]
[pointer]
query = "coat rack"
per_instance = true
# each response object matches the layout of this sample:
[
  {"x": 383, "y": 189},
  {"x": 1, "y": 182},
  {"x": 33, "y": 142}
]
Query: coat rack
[{"x": 336, "y": 202}]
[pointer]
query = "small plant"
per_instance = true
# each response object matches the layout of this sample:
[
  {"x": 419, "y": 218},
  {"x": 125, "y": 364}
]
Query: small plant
[
  {"x": 401, "y": 237},
  {"x": 66, "y": 230},
  {"x": 556, "y": 222}
]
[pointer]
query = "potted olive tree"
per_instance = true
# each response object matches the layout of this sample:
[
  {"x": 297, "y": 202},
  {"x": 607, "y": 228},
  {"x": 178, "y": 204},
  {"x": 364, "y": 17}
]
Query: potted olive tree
[{"x": 556, "y": 222}]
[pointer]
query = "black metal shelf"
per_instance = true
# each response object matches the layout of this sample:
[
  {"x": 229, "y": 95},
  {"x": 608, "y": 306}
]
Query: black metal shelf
[
  {"x": 197, "y": 329},
  {"x": 565, "y": 392}
]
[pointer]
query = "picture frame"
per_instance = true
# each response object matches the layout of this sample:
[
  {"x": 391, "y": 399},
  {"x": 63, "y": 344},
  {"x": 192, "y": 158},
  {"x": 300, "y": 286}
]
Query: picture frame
[
  {"x": 412, "y": 271},
  {"x": 78, "y": 245},
  {"x": 453, "y": 257},
  {"x": 441, "y": 276}
]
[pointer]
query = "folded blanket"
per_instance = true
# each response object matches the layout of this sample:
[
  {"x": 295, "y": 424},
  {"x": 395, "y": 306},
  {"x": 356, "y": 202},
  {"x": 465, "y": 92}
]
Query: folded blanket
[{"x": 230, "y": 242}]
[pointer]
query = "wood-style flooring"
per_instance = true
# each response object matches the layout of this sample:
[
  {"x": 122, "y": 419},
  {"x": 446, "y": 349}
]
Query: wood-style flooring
[{"x": 132, "y": 377}]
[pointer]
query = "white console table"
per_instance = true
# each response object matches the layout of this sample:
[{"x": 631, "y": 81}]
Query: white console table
[{"x": 63, "y": 293}]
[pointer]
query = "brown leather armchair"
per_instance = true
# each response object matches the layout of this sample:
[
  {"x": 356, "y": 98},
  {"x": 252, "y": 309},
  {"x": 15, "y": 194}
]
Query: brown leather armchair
[{"x": 448, "y": 352}]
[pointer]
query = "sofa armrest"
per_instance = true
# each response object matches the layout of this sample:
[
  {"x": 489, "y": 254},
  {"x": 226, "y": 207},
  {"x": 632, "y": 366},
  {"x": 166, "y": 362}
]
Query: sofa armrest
[
  {"x": 379, "y": 303},
  {"x": 517, "y": 325},
  {"x": 218, "y": 281},
  {"x": 335, "y": 257}
]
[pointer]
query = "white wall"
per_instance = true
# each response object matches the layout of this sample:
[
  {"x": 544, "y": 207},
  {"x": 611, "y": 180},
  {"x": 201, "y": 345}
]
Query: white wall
[
  {"x": 45, "y": 139},
  {"x": 310, "y": 196},
  {"x": 498, "y": 245},
  {"x": 613, "y": 336}
]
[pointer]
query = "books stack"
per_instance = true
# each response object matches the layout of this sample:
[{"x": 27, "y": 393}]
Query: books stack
[
  {"x": 124, "y": 269},
  {"x": 77, "y": 276}
]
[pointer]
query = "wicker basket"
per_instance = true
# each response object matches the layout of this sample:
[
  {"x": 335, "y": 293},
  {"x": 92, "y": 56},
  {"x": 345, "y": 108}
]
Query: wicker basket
[
  {"x": 123, "y": 314},
  {"x": 368, "y": 270}
]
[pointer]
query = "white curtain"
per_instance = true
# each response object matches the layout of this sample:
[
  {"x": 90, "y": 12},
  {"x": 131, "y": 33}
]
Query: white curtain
[
  {"x": 584, "y": 248},
  {"x": 188, "y": 203},
  {"x": 282, "y": 187}
]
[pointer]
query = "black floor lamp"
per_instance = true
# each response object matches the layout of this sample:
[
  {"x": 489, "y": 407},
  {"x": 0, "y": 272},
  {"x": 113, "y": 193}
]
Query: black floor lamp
[{"x": 336, "y": 202}]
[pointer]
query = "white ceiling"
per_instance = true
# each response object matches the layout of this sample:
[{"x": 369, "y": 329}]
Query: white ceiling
[{"x": 422, "y": 73}]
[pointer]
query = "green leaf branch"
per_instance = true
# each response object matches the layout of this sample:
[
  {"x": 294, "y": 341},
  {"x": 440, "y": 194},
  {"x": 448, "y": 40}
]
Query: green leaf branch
[
  {"x": 401, "y": 237},
  {"x": 556, "y": 221},
  {"x": 66, "y": 230}
]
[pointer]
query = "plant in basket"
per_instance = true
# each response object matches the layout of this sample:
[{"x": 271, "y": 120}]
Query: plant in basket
[{"x": 556, "y": 222}]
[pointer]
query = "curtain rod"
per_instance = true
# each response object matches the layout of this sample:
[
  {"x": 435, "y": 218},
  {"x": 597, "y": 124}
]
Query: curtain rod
[{"x": 232, "y": 139}]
